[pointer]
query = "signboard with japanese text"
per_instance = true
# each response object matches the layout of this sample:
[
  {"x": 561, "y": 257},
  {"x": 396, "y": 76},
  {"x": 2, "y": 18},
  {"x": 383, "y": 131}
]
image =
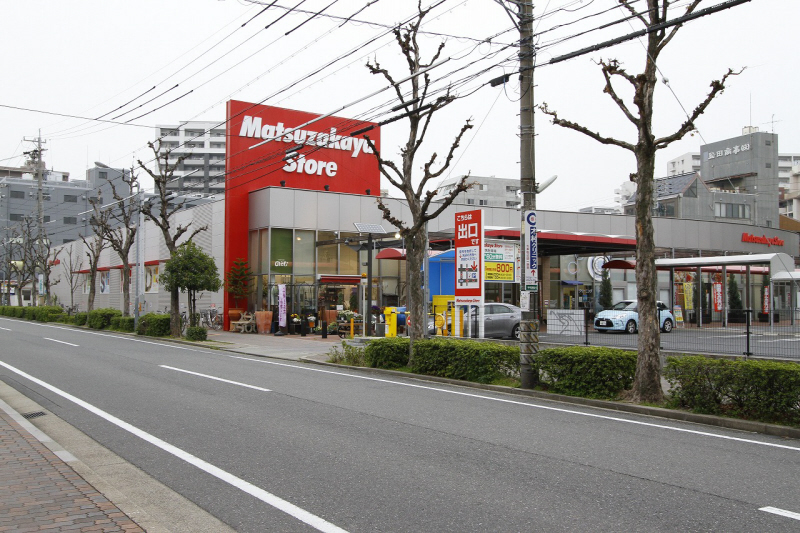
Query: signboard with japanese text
[
  {"x": 469, "y": 257},
  {"x": 282, "y": 305},
  {"x": 499, "y": 271},
  {"x": 718, "y": 297},
  {"x": 501, "y": 262},
  {"x": 531, "y": 256}
]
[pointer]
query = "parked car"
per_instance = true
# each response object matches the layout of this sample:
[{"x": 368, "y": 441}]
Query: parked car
[
  {"x": 624, "y": 316},
  {"x": 500, "y": 321}
]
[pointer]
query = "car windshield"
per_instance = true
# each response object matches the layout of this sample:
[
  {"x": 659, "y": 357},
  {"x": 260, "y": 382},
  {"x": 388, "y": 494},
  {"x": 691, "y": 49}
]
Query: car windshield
[{"x": 626, "y": 306}]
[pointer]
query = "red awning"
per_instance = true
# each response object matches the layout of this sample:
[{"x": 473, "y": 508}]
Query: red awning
[
  {"x": 154, "y": 262},
  {"x": 624, "y": 264},
  {"x": 103, "y": 269},
  {"x": 83, "y": 271},
  {"x": 339, "y": 279}
]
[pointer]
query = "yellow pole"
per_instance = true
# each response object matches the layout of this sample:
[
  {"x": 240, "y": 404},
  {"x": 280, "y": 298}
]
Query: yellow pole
[
  {"x": 352, "y": 329},
  {"x": 461, "y": 321},
  {"x": 452, "y": 321}
]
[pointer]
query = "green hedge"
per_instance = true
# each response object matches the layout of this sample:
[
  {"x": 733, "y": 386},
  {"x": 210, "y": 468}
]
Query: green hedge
[
  {"x": 481, "y": 362},
  {"x": 154, "y": 325},
  {"x": 40, "y": 313},
  {"x": 588, "y": 371},
  {"x": 80, "y": 319},
  {"x": 760, "y": 390},
  {"x": 196, "y": 333},
  {"x": 390, "y": 352},
  {"x": 122, "y": 323},
  {"x": 101, "y": 318}
]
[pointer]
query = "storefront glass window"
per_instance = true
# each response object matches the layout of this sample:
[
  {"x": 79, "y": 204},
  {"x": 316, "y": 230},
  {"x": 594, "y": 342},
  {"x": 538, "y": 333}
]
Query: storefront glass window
[
  {"x": 348, "y": 258},
  {"x": 304, "y": 247},
  {"x": 281, "y": 251},
  {"x": 305, "y": 295},
  {"x": 327, "y": 254},
  {"x": 252, "y": 259}
]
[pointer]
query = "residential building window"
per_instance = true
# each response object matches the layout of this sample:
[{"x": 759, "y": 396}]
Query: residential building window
[
  {"x": 480, "y": 187},
  {"x": 483, "y": 202},
  {"x": 17, "y": 194},
  {"x": 768, "y": 143},
  {"x": 511, "y": 188},
  {"x": 470, "y": 201},
  {"x": 769, "y": 165},
  {"x": 70, "y": 220},
  {"x": 103, "y": 175},
  {"x": 731, "y": 210},
  {"x": 167, "y": 133},
  {"x": 511, "y": 203},
  {"x": 46, "y": 219},
  {"x": 15, "y": 217},
  {"x": 71, "y": 198}
]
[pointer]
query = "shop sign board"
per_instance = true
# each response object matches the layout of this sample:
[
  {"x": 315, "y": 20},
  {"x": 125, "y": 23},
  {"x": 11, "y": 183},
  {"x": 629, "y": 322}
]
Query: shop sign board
[
  {"x": 282, "y": 305},
  {"x": 501, "y": 262},
  {"x": 469, "y": 257},
  {"x": 717, "y": 297},
  {"x": 531, "y": 267}
]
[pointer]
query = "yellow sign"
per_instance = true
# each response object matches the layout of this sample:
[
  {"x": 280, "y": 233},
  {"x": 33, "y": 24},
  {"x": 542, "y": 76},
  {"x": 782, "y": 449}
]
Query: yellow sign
[
  {"x": 499, "y": 271},
  {"x": 688, "y": 296}
]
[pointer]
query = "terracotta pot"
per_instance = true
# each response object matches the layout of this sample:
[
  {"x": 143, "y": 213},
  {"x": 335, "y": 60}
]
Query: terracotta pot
[
  {"x": 235, "y": 314},
  {"x": 264, "y": 321}
]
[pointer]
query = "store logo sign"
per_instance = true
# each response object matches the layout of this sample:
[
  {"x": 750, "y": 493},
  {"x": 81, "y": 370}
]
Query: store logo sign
[{"x": 769, "y": 241}]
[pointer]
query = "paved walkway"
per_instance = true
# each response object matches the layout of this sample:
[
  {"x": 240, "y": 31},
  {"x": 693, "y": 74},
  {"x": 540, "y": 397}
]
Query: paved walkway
[{"x": 40, "y": 492}]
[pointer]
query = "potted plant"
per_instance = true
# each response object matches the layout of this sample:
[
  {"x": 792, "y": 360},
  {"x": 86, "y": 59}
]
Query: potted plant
[{"x": 237, "y": 285}]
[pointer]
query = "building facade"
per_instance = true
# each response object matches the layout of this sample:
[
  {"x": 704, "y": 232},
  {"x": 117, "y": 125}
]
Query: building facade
[
  {"x": 202, "y": 145},
  {"x": 485, "y": 191}
]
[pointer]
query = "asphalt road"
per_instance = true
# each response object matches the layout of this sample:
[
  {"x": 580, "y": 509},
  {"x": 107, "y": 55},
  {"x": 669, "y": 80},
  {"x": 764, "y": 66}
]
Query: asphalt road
[{"x": 268, "y": 445}]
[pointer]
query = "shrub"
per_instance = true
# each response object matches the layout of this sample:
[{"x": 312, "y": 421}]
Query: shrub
[
  {"x": 56, "y": 317},
  {"x": 154, "y": 325},
  {"x": 196, "y": 333},
  {"x": 768, "y": 391},
  {"x": 390, "y": 352},
  {"x": 114, "y": 322},
  {"x": 348, "y": 355},
  {"x": 101, "y": 318},
  {"x": 588, "y": 371},
  {"x": 66, "y": 319},
  {"x": 80, "y": 319},
  {"x": 481, "y": 362},
  {"x": 126, "y": 323}
]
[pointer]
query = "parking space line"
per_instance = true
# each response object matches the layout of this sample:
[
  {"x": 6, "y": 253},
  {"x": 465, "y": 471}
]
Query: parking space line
[{"x": 56, "y": 340}]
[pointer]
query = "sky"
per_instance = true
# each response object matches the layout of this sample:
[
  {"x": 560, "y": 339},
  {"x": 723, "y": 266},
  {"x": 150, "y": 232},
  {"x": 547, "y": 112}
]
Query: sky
[{"x": 154, "y": 62}]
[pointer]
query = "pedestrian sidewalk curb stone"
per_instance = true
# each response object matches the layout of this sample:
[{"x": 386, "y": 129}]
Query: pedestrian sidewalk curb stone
[{"x": 658, "y": 412}]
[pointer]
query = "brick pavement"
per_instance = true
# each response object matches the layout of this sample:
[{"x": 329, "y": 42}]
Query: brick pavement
[{"x": 40, "y": 492}]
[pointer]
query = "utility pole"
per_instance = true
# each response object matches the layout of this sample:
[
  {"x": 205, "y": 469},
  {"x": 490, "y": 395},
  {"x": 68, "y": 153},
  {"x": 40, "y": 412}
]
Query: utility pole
[
  {"x": 39, "y": 201},
  {"x": 529, "y": 324}
]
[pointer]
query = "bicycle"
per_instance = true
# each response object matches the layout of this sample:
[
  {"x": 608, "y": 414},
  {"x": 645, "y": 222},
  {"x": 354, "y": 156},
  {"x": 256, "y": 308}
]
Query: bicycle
[
  {"x": 211, "y": 319},
  {"x": 184, "y": 322}
]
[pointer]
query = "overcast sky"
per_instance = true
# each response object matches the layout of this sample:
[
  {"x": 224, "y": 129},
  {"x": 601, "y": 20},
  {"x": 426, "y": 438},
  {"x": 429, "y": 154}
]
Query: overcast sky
[{"x": 89, "y": 58}]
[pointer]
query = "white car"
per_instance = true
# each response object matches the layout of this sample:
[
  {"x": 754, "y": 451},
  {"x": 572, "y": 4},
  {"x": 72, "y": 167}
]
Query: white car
[{"x": 624, "y": 316}]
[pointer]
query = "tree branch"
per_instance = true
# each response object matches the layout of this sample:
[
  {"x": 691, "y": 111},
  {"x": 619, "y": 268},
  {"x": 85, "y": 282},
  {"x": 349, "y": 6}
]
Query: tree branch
[
  {"x": 612, "y": 68},
  {"x": 691, "y": 7},
  {"x": 581, "y": 129}
]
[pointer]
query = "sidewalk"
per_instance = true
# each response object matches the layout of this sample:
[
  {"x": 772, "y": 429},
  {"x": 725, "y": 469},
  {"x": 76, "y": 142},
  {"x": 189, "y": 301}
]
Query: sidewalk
[
  {"x": 290, "y": 347},
  {"x": 41, "y": 492}
]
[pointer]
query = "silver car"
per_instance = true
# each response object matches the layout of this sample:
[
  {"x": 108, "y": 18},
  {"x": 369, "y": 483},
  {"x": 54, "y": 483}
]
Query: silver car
[{"x": 500, "y": 321}]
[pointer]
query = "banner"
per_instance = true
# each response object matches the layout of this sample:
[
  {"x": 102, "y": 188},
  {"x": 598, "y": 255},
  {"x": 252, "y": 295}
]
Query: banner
[
  {"x": 151, "y": 279},
  {"x": 105, "y": 282},
  {"x": 499, "y": 271},
  {"x": 717, "y": 297},
  {"x": 531, "y": 270},
  {"x": 765, "y": 303},
  {"x": 688, "y": 296},
  {"x": 501, "y": 262},
  {"x": 282, "y": 305},
  {"x": 469, "y": 257}
]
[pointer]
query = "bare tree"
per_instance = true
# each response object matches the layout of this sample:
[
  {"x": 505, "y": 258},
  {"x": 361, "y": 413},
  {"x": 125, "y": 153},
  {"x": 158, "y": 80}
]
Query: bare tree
[
  {"x": 647, "y": 383},
  {"x": 45, "y": 258},
  {"x": 29, "y": 259},
  {"x": 14, "y": 250},
  {"x": 93, "y": 247},
  {"x": 119, "y": 228},
  {"x": 420, "y": 108},
  {"x": 72, "y": 269},
  {"x": 162, "y": 216}
]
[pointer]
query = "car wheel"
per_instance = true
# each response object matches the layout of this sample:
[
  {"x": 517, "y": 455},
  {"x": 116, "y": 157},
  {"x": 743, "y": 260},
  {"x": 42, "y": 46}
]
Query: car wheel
[
  {"x": 667, "y": 326},
  {"x": 515, "y": 332},
  {"x": 630, "y": 327}
]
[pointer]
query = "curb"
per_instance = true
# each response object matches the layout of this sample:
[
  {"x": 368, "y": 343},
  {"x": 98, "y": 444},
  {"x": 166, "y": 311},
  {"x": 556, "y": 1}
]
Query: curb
[{"x": 658, "y": 412}]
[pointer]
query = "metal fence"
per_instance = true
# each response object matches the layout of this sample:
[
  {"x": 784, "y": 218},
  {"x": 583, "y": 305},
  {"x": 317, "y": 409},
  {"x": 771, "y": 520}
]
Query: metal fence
[{"x": 743, "y": 333}]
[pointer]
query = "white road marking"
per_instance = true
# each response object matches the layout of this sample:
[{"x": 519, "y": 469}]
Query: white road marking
[
  {"x": 257, "y": 492},
  {"x": 526, "y": 404},
  {"x": 56, "y": 340},
  {"x": 782, "y": 512},
  {"x": 5, "y": 329},
  {"x": 216, "y": 378}
]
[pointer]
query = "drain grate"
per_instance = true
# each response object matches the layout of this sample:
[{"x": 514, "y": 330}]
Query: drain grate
[{"x": 35, "y": 414}]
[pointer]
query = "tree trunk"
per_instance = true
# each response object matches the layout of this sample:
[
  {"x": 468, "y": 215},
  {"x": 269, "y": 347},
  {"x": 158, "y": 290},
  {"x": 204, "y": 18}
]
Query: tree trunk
[
  {"x": 647, "y": 381},
  {"x": 92, "y": 290},
  {"x": 126, "y": 290},
  {"x": 417, "y": 247},
  {"x": 175, "y": 315}
]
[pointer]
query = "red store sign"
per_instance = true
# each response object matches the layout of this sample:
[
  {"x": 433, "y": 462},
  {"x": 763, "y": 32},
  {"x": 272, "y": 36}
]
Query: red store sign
[{"x": 769, "y": 241}]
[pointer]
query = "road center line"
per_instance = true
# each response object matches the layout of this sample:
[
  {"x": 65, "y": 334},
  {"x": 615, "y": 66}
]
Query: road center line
[
  {"x": 781, "y": 512},
  {"x": 257, "y": 492},
  {"x": 56, "y": 340},
  {"x": 526, "y": 404},
  {"x": 215, "y": 378}
]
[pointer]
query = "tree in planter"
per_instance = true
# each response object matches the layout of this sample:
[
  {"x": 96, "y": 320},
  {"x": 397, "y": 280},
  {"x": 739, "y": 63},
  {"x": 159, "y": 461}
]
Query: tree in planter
[
  {"x": 734, "y": 301},
  {"x": 647, "y": 384},
  {"x": 190, "y": 269},
  {"x": 419, "y": 108},
  {"x": 606, "y": 300},
  {"x": 237, "y": 280}
]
